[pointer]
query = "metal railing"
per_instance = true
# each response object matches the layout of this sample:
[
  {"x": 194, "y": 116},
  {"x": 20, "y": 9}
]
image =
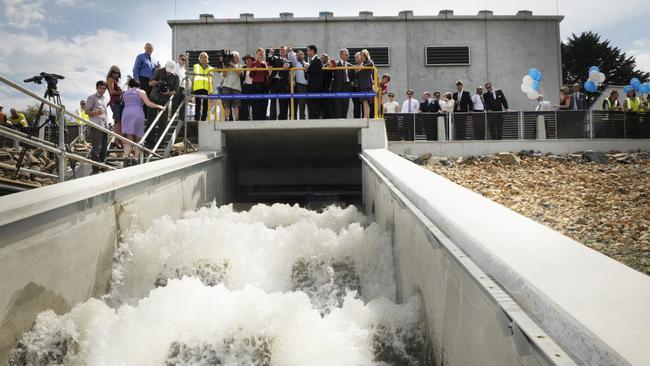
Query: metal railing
[
  {"x": 517, "y": 125},
  {"x": 292, "y": 95},
  {"x": 60, "y": 150}
]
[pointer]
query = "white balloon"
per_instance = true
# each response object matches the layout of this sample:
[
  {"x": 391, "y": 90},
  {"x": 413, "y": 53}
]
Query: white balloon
[
  {"x": 594, "y": 76},
  {"x": 532, "y": 94},
  {"x": 525, "y": 88},
  {"x": 527, "y": 80},
  {"x": 601, "y": 77}
]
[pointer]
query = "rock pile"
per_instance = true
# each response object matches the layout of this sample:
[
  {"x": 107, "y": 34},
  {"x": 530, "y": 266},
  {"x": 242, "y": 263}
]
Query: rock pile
[{"x": 599, "y": 199}]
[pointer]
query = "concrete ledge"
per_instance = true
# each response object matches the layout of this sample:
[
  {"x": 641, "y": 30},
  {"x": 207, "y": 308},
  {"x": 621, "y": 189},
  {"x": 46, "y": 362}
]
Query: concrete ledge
[
  {"x": 291, "y": 125},
  {"x": 474, "y": 148},
  {"x": 593, "y": 306},
  {"x": 57, "y": 242}
]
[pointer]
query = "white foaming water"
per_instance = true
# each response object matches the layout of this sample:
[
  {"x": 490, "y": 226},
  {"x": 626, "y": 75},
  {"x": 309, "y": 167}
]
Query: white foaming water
[{"x": 263, "y": 287}]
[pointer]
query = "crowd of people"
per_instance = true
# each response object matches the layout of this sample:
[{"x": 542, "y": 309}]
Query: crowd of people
[{"x": 135, "y": 104}]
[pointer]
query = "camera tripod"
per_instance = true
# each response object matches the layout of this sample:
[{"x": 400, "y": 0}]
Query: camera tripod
[{"x": 52, "y": 95}]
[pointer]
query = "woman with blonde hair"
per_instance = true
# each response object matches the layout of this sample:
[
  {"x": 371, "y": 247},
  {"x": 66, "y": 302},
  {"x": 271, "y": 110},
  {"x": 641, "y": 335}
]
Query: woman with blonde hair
[
  {"x": 365, "y": 81},
  {"x": 449, "y": 103}
]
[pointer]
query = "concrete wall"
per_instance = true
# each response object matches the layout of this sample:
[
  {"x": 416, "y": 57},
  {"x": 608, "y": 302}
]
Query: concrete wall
[
  {"x": 57, "y": 242},
  {"x": 474, "y": 148},
  {"x": 502, "y": 48},
  {"x": 592, "y": 306},
  {"x": 470, "y": 320}
]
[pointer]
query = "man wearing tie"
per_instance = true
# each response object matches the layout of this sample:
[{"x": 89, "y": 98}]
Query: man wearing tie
[
  {"x": 495, "y": 101},
  {"x": 410, "y": 105},
  {"x": 279, "y": 82},
  {"x": 578, "y": 100},
  {"x": 314, "y": 81},
  {"x": 462, "y": 103},
  {"x": 342, "y": 83}
]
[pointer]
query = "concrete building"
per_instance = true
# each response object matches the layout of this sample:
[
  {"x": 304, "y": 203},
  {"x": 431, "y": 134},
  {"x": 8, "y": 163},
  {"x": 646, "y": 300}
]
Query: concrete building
[{"x": 419, "y": 52}]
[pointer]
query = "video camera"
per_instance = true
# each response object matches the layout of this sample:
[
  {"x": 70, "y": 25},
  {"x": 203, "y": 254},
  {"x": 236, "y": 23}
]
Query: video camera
[
  {"x": 224, "y": 58},
  {"x": 163, "y": 87},
  {"x": 50, "y": 79}
]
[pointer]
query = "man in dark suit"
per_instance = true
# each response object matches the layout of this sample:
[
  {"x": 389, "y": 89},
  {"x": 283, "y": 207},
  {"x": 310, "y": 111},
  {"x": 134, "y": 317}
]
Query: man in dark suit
[
  {"x": 462, "y": 103},
  {"x": 314, "y": 75},
  {"x": 342, "y": 83},
  {"x": 425, "y": 106},
  {"x": 279, "y": 82},
  {"x": 578, "y": 100},
  {"x": 326, "y": 104},
  {"x": 495, "y": 101}
]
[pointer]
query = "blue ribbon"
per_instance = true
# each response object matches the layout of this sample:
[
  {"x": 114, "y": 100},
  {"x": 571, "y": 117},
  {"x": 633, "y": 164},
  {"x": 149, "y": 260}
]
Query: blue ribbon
[{"x": 287, "y": 96}]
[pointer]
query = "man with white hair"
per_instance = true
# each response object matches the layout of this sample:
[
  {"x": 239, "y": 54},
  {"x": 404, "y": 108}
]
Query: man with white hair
[
  {"x": 543, "y": 105},
  {"x": 144, "y": 67}
]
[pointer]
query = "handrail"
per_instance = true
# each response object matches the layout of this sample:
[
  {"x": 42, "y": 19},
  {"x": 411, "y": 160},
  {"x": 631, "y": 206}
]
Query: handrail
[
  {"x": 62, "y": 154},
  {"x": 30, "y": 171},
  {"x": 20, "y": 133},
  {"x": 109, "y": 132},
  {"x": 162, "y": 135},
  {"x": 153, "y": 124}
]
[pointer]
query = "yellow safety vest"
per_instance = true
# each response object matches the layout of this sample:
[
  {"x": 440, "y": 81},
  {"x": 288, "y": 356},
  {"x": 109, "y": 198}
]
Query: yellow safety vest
[
  {"x": 82, "y": 114},
  {"x": 633, "y": 104},
  {"x": 201, "y": 78}
]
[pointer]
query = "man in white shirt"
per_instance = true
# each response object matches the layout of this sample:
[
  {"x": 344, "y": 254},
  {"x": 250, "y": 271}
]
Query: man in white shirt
[
  {"x": 477, "y": 100},
  {"x": 410, "y": 105},
  {"x": 543, "y": 105},
  {"x": 391, "y": 106},
  {"x": 296, "y": 59}
]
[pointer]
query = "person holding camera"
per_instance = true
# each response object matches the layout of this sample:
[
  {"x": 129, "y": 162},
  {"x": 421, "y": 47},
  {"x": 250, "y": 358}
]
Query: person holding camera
[
  {"x": 164, "y": 85},
  {"x": 279, "y": 82},
  {"x": 260, "y": 78},
  {"x": 231, "y": 85}
]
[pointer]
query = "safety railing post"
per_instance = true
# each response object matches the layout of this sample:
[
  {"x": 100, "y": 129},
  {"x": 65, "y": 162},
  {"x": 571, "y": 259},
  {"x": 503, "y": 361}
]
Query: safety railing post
[
  {"x": 291, "y": 86},
  {"x": 485, "y": 120},
  {"x": 61, "y": 146},
  {"x": 375, "y": 73},
  {"x": 591, "y": 124},
  {"x": 414, "y": 130},
  {"x": 520, "y": 124},
  {"x": 450, "y": 122},
  {"x": 555, "y": 125},
  {"x": 185, "y": 109}
]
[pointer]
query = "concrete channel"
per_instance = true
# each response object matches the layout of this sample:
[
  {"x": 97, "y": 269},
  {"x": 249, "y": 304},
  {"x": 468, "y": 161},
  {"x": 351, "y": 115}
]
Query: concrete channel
[{"x": 498, "y": 288}]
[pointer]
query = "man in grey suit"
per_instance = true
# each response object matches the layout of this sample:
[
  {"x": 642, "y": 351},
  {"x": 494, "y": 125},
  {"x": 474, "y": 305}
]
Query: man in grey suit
[
  {"x": 342, "y": 82},
  {"x": 578, "y": 100}
]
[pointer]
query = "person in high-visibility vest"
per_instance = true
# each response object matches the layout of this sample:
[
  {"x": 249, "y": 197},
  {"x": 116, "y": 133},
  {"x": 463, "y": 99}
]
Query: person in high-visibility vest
[
  {"x": 202, "y": 85},
  {"x": 81, "y": 112},
  {"x": 632, "y": 103},
  {"x": 611, "y": 104}
]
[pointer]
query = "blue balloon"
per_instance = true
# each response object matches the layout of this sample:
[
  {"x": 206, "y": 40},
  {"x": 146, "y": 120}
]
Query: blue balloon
[
  {"x": 535, "y": 74},
  {"x": 645, "y": 88},
  {"x": 635, "y": 83},
  {"x": 590, "y": 86},
  {"x": 627, "y": 88},
  {"x": 535, "y": 85},
  {"x": 637, "y": 88},
  {"x": 594, "y": 69}
]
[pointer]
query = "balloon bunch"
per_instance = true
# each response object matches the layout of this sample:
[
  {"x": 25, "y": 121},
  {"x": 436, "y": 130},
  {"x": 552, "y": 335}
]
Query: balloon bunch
[
  {"x": 635, "y": 84},
  {"x": 531, "y": 83},
  {"x": 595, "y": 78}
]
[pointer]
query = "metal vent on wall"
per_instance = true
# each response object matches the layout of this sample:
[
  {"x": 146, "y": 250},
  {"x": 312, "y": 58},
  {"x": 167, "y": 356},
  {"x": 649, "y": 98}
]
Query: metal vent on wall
[
  {"x": 447, "y": 56},
  {"x": 379, "y": 55}
]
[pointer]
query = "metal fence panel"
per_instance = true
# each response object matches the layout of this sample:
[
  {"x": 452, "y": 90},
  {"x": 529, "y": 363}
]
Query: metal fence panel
[{"x": 400, "y": 126}]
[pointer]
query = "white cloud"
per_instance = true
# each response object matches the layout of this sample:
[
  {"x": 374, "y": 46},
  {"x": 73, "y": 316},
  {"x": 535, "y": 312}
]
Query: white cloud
[
  {"x": 641, "y": 53},
  {"x": 69, "y": 2},
  {"x": 82, "y": 60},
  {"x": 24, "y": 13}
]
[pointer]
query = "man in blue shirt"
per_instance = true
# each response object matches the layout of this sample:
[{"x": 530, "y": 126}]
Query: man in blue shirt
[{"x": 144, "y": 67}]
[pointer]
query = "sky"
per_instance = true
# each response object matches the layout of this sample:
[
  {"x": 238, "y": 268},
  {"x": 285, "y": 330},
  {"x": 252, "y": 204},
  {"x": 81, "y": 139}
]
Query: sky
[{"x": 81, "y": 39}]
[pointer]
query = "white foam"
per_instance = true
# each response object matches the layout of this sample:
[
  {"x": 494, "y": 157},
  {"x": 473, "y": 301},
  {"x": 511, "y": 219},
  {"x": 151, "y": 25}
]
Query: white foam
[{"x": 254, "y": 313}]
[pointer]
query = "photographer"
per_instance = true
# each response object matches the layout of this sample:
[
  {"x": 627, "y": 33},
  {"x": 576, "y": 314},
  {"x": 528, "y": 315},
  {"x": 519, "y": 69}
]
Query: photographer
[
  {"x": 231, "y": 85},
  {"x": 164, "y": 85},
  {"x": 279, "y": 82}
]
